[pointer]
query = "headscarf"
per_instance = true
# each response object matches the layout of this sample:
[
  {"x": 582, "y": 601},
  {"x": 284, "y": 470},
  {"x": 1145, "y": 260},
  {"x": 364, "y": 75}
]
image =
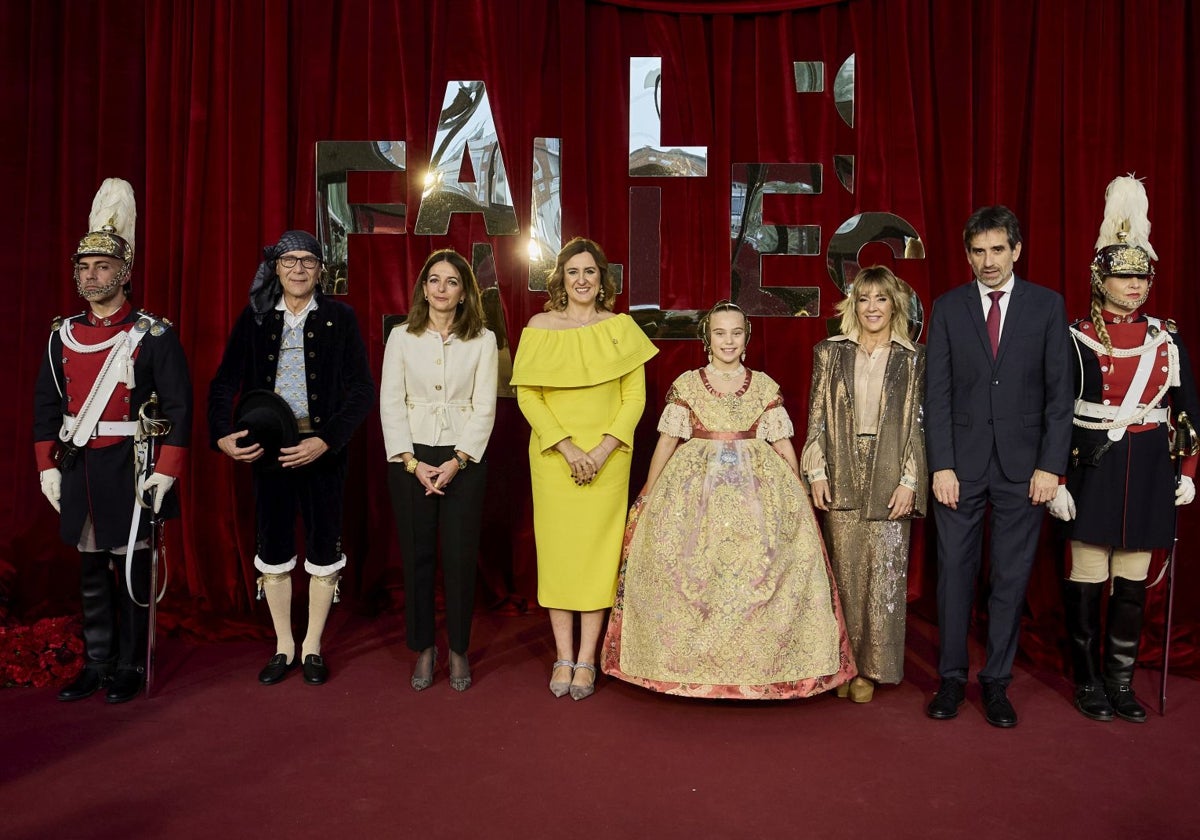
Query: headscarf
[{"x": 266, "y": 290}]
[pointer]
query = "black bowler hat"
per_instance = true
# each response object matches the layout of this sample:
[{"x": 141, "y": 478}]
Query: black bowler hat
[{"x": 271, "y": 424}]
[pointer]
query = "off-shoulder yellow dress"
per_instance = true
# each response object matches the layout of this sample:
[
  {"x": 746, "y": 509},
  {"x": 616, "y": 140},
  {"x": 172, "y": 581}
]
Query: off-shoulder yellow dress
[{"x": 583, "y": 384}]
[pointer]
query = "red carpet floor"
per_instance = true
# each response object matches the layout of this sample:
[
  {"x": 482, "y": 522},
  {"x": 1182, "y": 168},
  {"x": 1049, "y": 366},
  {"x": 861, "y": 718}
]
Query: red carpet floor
[{"x": 215, "y": 755}]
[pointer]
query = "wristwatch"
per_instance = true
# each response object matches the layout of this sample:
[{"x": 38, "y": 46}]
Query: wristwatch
[
  {"x": 411, "y": 466},
  {"x": 462, "y": 462}
]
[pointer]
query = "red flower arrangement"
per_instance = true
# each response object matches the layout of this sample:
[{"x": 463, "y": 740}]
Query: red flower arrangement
[{"x": 48, "y": 652}]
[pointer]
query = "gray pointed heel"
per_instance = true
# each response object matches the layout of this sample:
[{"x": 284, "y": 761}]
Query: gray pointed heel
[
  {"x": 560, "y": 687},
  {"x": 580, "y": 692}
]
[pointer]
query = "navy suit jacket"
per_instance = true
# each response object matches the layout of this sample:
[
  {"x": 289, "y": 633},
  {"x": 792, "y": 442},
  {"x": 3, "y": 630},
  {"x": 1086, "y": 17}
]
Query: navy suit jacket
[{"x": 1020, "y": 402}]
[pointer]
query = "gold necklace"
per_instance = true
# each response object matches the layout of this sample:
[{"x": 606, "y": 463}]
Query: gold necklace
[{"x": 579, "y": 323}]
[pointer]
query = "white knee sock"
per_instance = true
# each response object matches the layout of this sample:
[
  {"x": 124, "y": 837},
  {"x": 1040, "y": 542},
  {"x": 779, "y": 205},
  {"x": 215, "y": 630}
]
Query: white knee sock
[
  {"x": 320, "y": 599},
  {"x": 278, "y": 589}
]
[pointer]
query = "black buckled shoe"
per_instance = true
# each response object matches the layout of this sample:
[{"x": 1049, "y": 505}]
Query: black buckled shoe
[
  {"x": 996, "y": 706},
  {"x": 950, "y": 695},
  {"x": 126, "y": 684},
  {"x": 1125, "y": 704},
  {"x": 276, "y": 669},
  {"x": 90, "y": 680},
  {"x": 315, "y": 669},
  {"x": 1092, "y": 702}
]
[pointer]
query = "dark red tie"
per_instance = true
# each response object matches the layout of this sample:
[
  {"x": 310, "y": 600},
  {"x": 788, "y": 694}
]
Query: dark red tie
[{"x": 993, "y": 321}]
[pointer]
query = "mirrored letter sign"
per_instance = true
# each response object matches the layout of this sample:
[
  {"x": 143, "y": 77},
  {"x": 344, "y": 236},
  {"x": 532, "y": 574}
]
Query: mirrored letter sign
[
  {"x": 466, "y": 125},
  {"x": 645, "y": 290},
  {"x": 751, "y": 240},
  {"x": 648, "y": 158},
  {"x": 545, "y": 211},
  {"x": 336, "y": 216},
  {"x": 859, "y": 231}
]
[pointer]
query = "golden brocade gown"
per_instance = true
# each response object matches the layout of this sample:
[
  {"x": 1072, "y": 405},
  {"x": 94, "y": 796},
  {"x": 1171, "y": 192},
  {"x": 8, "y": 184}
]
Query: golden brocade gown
[
  {"x": 580, "y": 383},
  {"x": 726, "y": 590}
]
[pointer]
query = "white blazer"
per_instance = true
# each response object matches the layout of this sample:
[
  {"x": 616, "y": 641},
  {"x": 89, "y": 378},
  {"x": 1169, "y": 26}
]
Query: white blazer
[{"x": 437, "y": 393}]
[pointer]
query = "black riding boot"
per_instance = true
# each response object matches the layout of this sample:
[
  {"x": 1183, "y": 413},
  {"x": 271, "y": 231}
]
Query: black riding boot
[
  {"x": 97, "y": 591},
  {"x": 1081, "y": 603},
  {"x": 1125, "y": 608},
  {"x": 127, "y": 682}
]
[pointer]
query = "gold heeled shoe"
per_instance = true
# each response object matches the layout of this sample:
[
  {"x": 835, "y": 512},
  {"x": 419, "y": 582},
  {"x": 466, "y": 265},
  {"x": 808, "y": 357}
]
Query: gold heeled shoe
[
  {"x": 861, "y": 690},
  {"x": 560, "y": 687}
]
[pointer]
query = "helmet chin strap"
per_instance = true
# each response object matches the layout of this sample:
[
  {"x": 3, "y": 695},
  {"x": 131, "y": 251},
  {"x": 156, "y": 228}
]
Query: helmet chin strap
[
  {"x": 104, "y": 291},
  {"x": 1125, "y": 303}
]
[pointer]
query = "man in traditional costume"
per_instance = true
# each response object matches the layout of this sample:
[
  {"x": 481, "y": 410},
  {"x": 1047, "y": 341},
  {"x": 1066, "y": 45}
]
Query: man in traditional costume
[
  {"x": 100, "y": 370},
  {"x": 298, "y": 357},
  {"x": 1131, "y": 372}
]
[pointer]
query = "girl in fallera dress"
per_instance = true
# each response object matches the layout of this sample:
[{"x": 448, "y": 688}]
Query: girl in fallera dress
[
  {"x": 581, "y": 385},
  {"x": 725, "y": 590}
]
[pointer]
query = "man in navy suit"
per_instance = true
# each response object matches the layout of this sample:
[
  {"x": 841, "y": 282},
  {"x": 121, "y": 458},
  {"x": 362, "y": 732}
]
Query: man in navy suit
[{"x": 997, "y": 429}]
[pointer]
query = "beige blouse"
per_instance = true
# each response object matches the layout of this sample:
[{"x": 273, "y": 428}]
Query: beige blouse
[{"x": 869, "y": 369}]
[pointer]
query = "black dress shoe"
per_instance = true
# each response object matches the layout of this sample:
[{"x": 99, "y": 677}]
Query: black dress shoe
[
  {"x": 126, "y": 684},
  {"x": 1092, "y": 702},
  {"x": 996, "y": 707},
  {"x": 950, "y": 695},
  {"x": 315, "y": 670},
  {"x": 1125, "y": 704},
  {"x": 276, "y": 669},
  {"x": 89, "y": 681}
]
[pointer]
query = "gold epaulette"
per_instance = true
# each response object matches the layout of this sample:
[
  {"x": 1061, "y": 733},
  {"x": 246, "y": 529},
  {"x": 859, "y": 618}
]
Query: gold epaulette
[
  {"x": 56, "y": 324},
  {"x": 1169, "y": 325},
  {"x": 148, "y": 320}
]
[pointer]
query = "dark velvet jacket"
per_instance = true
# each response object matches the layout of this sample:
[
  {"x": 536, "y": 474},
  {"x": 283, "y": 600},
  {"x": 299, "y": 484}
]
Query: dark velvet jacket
[{"x": 341, "y": 390}]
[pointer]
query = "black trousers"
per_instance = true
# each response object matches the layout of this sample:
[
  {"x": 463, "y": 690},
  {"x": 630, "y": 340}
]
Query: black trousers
[
  {"x": 421, "y": 521},
  {"x": 1015, "y": 526},
  {"x": 315, "y": 491}
]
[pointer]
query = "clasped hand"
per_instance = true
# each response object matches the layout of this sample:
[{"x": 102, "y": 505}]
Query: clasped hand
[
  {"x": 434, "y": 479},
  {"x": 584, "y": 465}
]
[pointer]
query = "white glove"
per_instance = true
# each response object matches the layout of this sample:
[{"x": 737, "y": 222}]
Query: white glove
[
  {"x": 52, "y": 486},
  {"x": 157, "y": 486},
  {"x": 1185, "y": 493},
  {"x": 1062, "y": 506}
]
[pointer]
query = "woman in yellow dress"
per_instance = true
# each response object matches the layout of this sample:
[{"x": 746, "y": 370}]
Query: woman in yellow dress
[
  {"x": 581, "y": 385},
  {"x": 726, "y": 591}
]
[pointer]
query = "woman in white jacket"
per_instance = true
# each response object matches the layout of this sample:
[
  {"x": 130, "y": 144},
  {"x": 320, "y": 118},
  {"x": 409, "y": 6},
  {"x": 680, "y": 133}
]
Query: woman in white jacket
[{"x": 437, "y": 404}]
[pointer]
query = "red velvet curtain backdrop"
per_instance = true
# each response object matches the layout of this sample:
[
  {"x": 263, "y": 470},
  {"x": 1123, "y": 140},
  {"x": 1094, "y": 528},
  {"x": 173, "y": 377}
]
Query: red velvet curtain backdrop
[{"x": 211, "y": 109}]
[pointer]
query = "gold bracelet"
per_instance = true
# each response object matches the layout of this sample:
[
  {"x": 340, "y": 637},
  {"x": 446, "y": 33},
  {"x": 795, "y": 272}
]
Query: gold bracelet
[{"x": 411, "y": 465}]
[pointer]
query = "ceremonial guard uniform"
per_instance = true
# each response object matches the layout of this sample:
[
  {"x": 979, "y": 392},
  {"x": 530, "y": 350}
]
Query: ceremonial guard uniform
[
  {"x": 99, "y": 370},
  {"x": 311, "y": 365},
  {"x": 1131, "y": 373}
]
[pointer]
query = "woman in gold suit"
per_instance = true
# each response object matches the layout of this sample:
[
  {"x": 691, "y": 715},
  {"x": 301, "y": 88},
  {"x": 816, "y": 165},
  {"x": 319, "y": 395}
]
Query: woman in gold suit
[
  {"x": 726, "y": 591},
  {"x": 581, "y": 385},
  {"x": 864, "y": 461}
]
